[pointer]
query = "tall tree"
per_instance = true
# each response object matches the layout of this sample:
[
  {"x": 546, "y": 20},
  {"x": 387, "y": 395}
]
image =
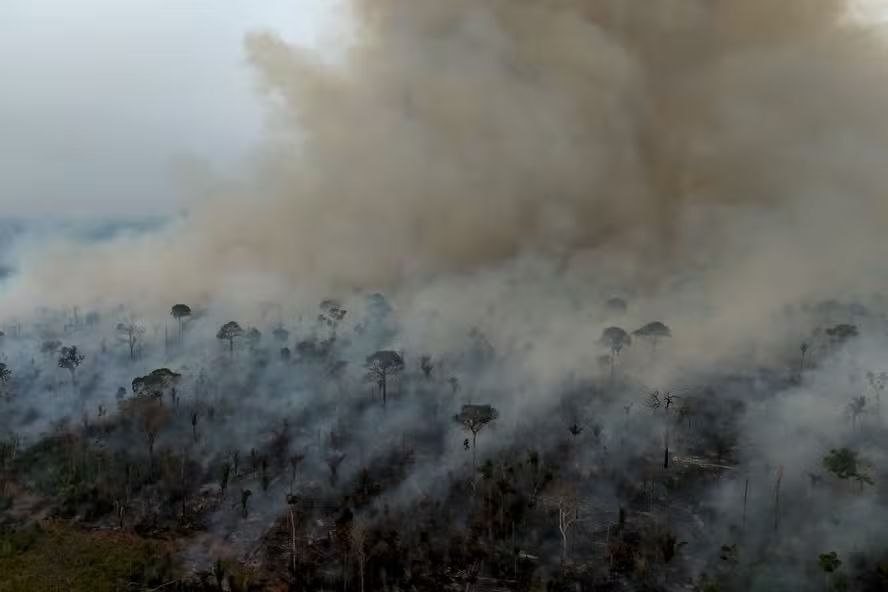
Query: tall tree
[
  {"x": 180, "y": 312},
  {"x": 473, "y": 419},
  {"x": 653, "y": 332},
  {"x": 229, "y": 332},
  {"x": 615, "y": 339},
  {"x": 132, "y": 331},
  {"x": 5, "y": 377},
  {"x": 381, "y": 366},
  {"x": 563, "y": 499}
]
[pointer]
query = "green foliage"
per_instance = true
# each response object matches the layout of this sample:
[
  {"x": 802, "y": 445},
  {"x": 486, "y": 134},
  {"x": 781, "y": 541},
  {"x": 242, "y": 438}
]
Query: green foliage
[
  {"x": 845, "y": 464},
  {"x": 59, "y": 558},
  {"x": 829, "y": 562}
]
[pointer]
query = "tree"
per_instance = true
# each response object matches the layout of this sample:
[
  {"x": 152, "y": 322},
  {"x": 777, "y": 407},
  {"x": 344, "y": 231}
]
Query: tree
[
  {"x": 253, "y": 337},
  {"x": 156, "y": 384},
  {"x": 334, "y": 459},
  {"x": 846, "y": 465},
  {"x": 70, "y": 359},
  {"x": 132, "y": 331},
  {"x": 878, "y": 382},
  {"x": 653, "y": 332},
  {"x": 5, "y": 377},
  {"x": 426, "y": 365},
  {"x": 841, "y": 333},
  {"x": 180, "y": 312},
  {"x": 615, "y": 339},
  {"x": 358, "y": 540},
  {"x": 245, "y": 497},
  {"x": 229, "y": 332},
  {"x": 856, "y": 408},
  {"x": 829, "y": 563},
  {"x": 803, "y": 348},
  {"x": 150, "y": 416},
  {"x": 564, "y": 500},
  {"x": 381, "y": 366},
  {"x": 473, "y": 418},
  {"x": 332, "y": 313}
]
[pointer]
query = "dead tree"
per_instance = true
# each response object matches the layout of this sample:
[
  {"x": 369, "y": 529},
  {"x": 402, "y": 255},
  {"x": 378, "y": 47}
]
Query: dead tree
[{"x": 381, "y": 366}]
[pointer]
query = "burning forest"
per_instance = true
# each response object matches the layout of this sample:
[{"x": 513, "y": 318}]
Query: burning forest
[{"x": 512, "y": 295}]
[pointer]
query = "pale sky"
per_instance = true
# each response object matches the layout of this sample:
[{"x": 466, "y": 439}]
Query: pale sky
[{"x": 98, "y": 98}]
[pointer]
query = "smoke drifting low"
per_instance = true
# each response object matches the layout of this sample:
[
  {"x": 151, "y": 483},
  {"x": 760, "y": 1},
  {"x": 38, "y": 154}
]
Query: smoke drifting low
[{"x": 734, "y": 144}]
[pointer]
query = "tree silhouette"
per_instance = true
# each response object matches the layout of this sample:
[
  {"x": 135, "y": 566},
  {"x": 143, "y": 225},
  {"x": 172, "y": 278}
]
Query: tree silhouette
[
  {"x": 653, "y": 332},
  {"x": 615, "y": 339},
  {"x": 829, "y": 563},
  {"x": 253, "y": 337},
  {"x": 229, "y": 332},
  {"x": 856, "y": 408},
  {"x": 5, "y": 377},
  {"x": 473, "y": 418},
  {"x": 156, "y": 384},
  {"x": 132, "y": 331},
  {"x": 180, "y": 312},
  {"x": 381, "y": 366},
  {"x": 70, "y": 359},
  {"x": 562, "y": 497}
]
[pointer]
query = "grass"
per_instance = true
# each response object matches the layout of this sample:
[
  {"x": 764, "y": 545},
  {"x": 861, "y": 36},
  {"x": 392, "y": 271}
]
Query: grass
[{"x": 58, "y": 558}]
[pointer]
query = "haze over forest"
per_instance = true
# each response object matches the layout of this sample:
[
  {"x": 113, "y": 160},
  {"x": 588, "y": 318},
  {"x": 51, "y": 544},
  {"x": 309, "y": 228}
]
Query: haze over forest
[{"x": 419, "y": 295}]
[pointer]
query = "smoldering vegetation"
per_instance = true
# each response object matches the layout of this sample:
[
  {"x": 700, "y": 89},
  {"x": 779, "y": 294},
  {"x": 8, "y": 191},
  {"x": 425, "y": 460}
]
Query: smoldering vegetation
[
  {"x": 310, "y": 452},
  {"x": 521, "y": 296}
]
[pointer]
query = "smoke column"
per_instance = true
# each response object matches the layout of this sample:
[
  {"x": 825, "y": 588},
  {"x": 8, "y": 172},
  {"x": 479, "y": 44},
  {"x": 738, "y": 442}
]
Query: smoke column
[{"x": 738, "y": 144}]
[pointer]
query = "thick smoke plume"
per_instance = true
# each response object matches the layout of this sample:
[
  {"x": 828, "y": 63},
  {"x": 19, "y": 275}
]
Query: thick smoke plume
[{"x": 733, "y": 145}]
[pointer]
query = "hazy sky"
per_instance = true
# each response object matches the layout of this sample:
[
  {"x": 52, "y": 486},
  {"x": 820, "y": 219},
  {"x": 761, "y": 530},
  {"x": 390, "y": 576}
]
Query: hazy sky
[{"x": 99, "y": 97}]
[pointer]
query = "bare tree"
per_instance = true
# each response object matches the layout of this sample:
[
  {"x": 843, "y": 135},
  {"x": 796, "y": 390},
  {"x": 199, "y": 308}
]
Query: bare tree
[
  {"x": 358, "y": 540},
  {"x": 563, "y": 499},
  {"x": 132, "y": 331},
  {"x": 381, "y": 366}
]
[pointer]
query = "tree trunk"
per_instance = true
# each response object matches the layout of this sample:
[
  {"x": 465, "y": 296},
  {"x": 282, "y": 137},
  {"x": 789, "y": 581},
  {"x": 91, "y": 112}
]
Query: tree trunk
[
  {"x": 293, "y": 541},
  {"x": 563, "y": 530},
  {"x": 474, "y": 439},
  {"x": 777, "y": 506},
  {"x": 382, "y": 383}
]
